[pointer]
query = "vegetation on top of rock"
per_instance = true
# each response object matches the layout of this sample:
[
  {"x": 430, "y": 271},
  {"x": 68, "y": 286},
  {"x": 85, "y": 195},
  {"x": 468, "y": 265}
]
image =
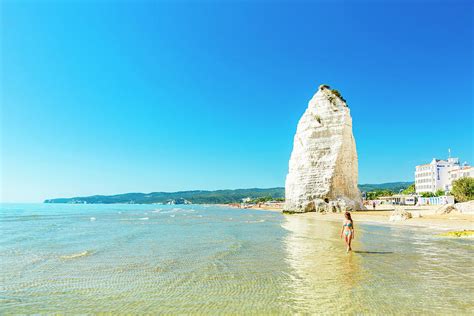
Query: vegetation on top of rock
[
  {"x": 338, "y": 94},
  {"x": 334, "y": 92},
  {"x": 463, "y": 189}
]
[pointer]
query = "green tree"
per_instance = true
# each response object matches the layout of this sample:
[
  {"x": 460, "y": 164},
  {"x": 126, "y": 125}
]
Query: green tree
[
  {"x": 463, "y": 189},
  {"x": 427, "y": 194},
  {"x": 439, "y": 192},
  {"x": 262, "y": 199},
  {"x": 410, "y": 189},
  {"x": 373, "y": 195}
]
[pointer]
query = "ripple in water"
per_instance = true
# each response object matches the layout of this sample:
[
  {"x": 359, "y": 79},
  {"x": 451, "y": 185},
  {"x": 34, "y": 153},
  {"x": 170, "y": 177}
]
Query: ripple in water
[
  {"x": 224, "y": 261},
  {"x": 77, "y": 255}
]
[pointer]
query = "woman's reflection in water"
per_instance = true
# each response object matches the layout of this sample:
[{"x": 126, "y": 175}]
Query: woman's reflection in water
[{"x": 324, "y": 276}]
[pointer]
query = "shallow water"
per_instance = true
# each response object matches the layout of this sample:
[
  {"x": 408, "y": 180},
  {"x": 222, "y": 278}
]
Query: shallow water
[{"x": 198, "y": 259}]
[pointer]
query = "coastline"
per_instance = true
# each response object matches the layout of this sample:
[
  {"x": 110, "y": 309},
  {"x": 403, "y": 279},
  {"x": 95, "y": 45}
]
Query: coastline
[
  {"x": 423, "y": 217},
  {"x": 445, "y": 222}
]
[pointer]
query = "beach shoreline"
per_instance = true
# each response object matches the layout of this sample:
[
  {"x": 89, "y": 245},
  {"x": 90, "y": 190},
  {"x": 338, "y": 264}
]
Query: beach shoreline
[{"x": 423, "y": 217}]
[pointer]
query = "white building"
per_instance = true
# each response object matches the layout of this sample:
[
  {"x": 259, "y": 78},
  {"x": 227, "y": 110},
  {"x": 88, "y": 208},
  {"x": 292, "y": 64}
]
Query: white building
[
  {"x": 246, "y": 200},
  {"x": 435, "y": 175},
  {"x": 460, "y": 172},
  {"x": 399, "y": 199}
]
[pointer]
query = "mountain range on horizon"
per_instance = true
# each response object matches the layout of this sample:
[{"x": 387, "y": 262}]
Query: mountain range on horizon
[{"x": 205, "y": 196}]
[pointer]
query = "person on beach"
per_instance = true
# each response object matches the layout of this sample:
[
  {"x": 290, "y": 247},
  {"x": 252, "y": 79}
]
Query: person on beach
[{"x": 348, "y": 230}]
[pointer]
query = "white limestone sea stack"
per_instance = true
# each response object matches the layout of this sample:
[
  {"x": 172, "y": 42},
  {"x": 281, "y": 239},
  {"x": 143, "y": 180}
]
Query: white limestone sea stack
[{"x": 323, "y": 167}]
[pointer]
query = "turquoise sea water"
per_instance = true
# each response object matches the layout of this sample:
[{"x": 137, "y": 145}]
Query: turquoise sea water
[{"x": 209, "y": 259}]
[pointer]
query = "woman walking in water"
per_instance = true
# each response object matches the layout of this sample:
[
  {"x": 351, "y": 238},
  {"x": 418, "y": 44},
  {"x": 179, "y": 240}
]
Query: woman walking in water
[{"x": 348, "y": 230}]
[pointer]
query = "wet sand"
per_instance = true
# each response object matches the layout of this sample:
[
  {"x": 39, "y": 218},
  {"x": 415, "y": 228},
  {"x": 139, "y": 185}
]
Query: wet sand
[
  {"x": 428, "y": 217},
  {"x": 454, "y": 221}
]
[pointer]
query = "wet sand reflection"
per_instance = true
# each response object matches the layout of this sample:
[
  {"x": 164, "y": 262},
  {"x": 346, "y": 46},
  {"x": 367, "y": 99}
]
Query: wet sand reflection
[{"x": 324, "y": 274}]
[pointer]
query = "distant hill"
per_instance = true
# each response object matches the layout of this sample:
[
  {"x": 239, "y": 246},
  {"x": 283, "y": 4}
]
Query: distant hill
[
  {"x": 205, "y": 197},
  {"x": 391, "y": 186},
  {"x": 195, "y": 197}
]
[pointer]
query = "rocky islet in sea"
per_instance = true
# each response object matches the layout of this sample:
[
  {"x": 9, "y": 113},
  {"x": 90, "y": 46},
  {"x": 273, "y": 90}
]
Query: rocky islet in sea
[{"x": 323, "y": 168}]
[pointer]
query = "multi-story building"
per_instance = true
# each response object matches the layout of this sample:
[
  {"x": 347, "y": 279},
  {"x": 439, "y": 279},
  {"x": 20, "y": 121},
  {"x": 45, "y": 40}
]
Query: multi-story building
[
  {"x": 435, "y": 175},
  {"x": 460, "y": 172}
]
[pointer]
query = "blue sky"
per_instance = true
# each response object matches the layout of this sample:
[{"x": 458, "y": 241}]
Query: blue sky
[{"x": 103, "y": 97}]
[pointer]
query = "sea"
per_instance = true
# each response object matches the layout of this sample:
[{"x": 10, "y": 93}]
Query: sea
[{"x": 204, "y": 259}]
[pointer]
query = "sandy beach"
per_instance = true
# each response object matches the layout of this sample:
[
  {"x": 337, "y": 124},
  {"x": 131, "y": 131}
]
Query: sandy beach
[
  {"x": 424, "y": 216},
  {"x": 451, "y": 222}
]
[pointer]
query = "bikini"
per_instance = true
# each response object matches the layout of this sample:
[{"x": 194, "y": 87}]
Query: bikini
[{"x": 348, "y": 225}]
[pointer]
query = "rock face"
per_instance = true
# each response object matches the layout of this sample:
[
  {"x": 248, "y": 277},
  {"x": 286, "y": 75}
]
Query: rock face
[
  {"x": 466, "y": 207},
  {"x": 445, "y": 209},
  {"x": 323, "y": 168},
  {"x": 400, "y": 215}
]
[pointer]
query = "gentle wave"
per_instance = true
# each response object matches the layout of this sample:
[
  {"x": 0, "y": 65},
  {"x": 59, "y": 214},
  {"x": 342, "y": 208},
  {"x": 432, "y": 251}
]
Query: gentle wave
[
  {"x": 77, "y": 255},
  {"x": 257, "y": 221}
]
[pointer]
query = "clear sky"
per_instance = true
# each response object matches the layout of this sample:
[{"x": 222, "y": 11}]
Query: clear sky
[{"x": 104, "y": 97}]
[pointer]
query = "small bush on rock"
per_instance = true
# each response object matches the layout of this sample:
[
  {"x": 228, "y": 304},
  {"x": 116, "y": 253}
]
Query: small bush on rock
[{"x": 338, "y": 94}]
